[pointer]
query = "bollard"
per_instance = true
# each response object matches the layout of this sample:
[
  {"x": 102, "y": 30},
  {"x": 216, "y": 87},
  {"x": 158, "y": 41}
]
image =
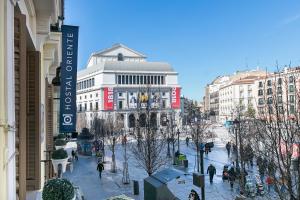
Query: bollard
[{"x": 136, "y": 187}]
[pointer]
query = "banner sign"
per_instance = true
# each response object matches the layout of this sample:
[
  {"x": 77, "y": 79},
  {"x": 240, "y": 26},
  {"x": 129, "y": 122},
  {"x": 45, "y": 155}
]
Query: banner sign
[
  {"x": 175, "y": 96},
  {"x": 68, "y": 79},
  {"x": 108, "y": 98}
]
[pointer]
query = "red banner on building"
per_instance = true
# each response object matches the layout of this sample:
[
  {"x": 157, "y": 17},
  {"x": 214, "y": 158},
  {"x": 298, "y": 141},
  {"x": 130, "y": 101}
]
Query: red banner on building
[
  {"x": 175, "y": 96},
  {"x": 108, "y": 98}
]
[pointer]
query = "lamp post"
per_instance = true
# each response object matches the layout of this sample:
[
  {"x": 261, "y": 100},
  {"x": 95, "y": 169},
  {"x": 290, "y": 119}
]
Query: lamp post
[
  {"x": 178, "y": 133},
  {"x": 236, "y": 125},
  {"x": 168, "y": 139}
]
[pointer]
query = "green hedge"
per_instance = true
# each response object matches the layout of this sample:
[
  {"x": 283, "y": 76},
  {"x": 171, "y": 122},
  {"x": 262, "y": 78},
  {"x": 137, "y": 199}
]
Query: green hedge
[
  {"x": 60, "y": 142},
  {"x": 58, "y": 189},
  {"x": 59, "y": 154}
]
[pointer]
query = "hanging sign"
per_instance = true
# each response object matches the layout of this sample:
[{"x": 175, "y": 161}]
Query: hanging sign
[
  {"x": 108, "y": 98},
  {"x": 175, "y": 96},
  {"x": 68, "y": 79}
]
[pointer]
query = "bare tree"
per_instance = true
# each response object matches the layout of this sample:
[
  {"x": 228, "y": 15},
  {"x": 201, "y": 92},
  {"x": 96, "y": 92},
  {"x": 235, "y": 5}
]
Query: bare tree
[
  {"x": 113, "y": 135},
  {"x": 277, "y": 133},
  {"x": 99, "y": 129},
  {"x": 81, "y": 121},
  {"x": 149, "y": 150}
]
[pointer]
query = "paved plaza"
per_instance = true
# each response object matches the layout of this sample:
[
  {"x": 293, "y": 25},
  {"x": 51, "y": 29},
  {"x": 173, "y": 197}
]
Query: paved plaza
[{"x": 85, "y": 175}]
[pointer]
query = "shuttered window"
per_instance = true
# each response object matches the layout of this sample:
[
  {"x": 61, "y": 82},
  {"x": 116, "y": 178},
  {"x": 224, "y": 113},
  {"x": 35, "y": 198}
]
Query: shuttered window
[{"x": 33, "y": 171}]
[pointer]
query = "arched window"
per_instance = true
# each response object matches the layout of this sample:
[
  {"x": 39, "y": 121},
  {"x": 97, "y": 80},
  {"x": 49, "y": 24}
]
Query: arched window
[
  {"x": 120, "y": 57},
  {"x": 131, "y": 121}
]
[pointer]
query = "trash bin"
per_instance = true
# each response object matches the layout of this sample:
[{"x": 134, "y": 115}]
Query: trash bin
[
  {"x": 136, "y": 190},
  {"x": 186, "y": 163}
]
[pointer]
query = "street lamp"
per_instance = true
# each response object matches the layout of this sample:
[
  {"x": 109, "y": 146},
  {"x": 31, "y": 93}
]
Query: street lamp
[
  {"x": 168, "y": 139},
  {"x": 236, "y": 127},
  {"x": 178, "y": 133}
]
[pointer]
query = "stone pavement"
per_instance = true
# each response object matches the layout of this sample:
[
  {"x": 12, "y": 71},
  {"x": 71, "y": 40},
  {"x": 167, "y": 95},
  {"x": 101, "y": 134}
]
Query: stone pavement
[{"x": 86, "y": 177}]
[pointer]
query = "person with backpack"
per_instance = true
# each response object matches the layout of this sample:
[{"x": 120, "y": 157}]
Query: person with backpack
[{"x": 100, "y": 168}]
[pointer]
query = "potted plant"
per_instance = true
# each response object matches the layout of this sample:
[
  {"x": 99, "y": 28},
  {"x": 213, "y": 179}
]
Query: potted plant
[
  {"x": 59, "y": 156},
  {"x": 58, "y": 189},
  {"x": 61, "y": 136},
  {"x": 60, "y": 144}
]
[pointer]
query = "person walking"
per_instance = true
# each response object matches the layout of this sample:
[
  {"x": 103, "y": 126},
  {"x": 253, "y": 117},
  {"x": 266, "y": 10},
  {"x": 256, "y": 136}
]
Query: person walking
[
  {"x": 100, "y": 168},
  {"x": 207, "y": 148},
  {"x": 73, "y": 154},
  {"x": 211, "y": 170},
  {"x": 231, "y": 178},
  {"x": 187, "y": 139},
  {"x": 228, "y": 147}
]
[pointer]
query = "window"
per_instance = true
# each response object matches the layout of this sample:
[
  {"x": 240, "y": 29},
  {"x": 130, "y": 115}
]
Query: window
[
  {"x": 84, "y": 96},
  {"x": 141, "y": 80},
  {"x": 164, "y": 94},
  {"x": 85, "y": 107},
  {"x": 280, "y": 109},
  {"x": 158, "y": 80},
  {"x": 291, "y": 88},
  {"x": 279, "y": 99},
  {"x": 91, "y": 96},
  {"x": 270, "y": 100},
  {"x": 120, "y": 105},
  {"x": 120, "y": 94},
  {"x": 80, "y": 97},
  {"x": 260, "y": 84},
  {"x": 91, "y": 106},
  {"x": 145, "y": 79},
  {"x": 126, "y": 79},
  {"x": 134, "y": 79},
  {"x": 269, "y": 91},
  {"x": 80, "y": 107},
  {"x": 269, "y": 83},
  {"x": 93, "y": 82},
  {"x": 148, "y": 79},
  {"x": 162, "y": 80},
  {"x": 270, "y": 108},
  {"x": 151, "y": 79},
  {"x": 90, "y": 83},
  {"x": 123, "y": 79},
  {"x": 279, "y": 81},
  {"x": 292, "y": 109},
  {"x": 96, "y": 94},
  {"x": 260, "y": 92},
  {"x": 292, "y": 99},
  {"x": 164, "y": 104},
  {"x": 155, "y": 80},
  {"x": 291, "y": 79},
  {"x": 130, "y": 79},
  {"x": 137, "y": 79},
  {"x": 96, "y": 105},
  {"x": 120, "y": 57},
  {"x": 84, "y": 84},
  {"x": 119, "y": 79},
  {"x": 279, "y": 90}
]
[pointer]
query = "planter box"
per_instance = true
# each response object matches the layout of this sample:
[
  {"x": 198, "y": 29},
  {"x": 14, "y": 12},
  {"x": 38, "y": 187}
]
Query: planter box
[{"x": 56, "y": 162}]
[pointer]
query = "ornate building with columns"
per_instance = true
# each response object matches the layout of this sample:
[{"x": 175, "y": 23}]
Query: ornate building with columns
[{"x": 120, "y": 82}]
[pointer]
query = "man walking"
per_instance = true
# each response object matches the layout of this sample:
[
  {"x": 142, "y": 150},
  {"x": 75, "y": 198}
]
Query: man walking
[
  {"x": 100, "y": 168},
  {"x": 187, "y": 139},
  {"x": 228, "y": 147},
  {"x": 211, "y": 170}
]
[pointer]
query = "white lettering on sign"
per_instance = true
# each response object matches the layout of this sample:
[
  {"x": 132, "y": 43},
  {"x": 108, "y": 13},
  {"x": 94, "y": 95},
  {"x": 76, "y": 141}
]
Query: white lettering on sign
[
  {"x": 110, "y": 95},
  {"x": 174, "y": 94}
]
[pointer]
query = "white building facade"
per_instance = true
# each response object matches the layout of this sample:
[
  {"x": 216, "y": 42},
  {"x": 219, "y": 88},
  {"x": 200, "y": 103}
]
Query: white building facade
[{"x": 120, "y": 82}]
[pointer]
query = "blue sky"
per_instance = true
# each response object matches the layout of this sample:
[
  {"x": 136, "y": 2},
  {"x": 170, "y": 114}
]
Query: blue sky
[{"x": 201, "y": 39}]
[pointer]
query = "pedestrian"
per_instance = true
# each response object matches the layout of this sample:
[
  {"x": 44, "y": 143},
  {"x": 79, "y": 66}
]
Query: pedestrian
[
  {"x": 232, "y": 175},
  {"x": 211, "y": 170},
  {"x": 194, "y": 195},
  {"x": 76, "y": 156},
  {"x": 100, "y": 168},
  {"x": 187, "y": 139},
  {"x": 228, "y": 147},
  {"x": 269, "y": 182},
  {"x": 207, "y": 148},
  {"x": 73, "y": 154}
]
